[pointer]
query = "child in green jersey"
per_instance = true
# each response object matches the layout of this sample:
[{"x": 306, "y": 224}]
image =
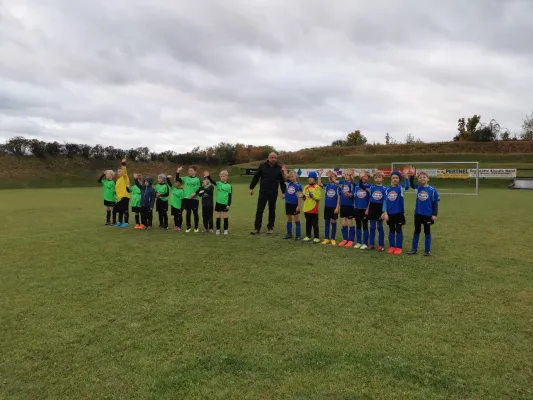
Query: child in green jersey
[
  {"x": 191, "y": 186},
  {"x": 176, "y": 200},
  {"x": 222, "y": 200},
  {"x": 136, "y": 201},
  {"x": 161, "y": 193},
  {"x": 106, "y": 179}
]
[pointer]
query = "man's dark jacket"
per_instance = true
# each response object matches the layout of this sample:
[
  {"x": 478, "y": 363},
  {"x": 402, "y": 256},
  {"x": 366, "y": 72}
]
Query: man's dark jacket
[{"x": 270, "y": 177}]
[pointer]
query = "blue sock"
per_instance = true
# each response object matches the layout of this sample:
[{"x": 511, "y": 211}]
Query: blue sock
[
  {"x": 358, "y": 235},
  {"x": 344, "y": 232},
  {"x": 428, "y": 243},
  {"x": 416, "y": 237},
  {"x": 399, "y": 240},
  {"x": 333, "y": 230},
  {"x": 351, "y": 237},
  {"x": 365, "y": 237},
  {"x": 298, "y": 233},
  {"x": 392, "y": 242},
  {"x": 372, "y": 233},
  {"x": 326, "y": 231},
  {"x": 381, "y": 232},
  {"x": 289, "y": 228}
]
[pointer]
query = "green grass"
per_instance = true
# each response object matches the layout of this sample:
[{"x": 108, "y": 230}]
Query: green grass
[{"x": 102, "y": 313}]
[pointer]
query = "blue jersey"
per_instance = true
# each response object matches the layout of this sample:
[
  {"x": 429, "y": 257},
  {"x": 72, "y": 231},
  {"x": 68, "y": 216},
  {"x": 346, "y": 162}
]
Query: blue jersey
[
  {"x": 377, "y": 194},
  {"x": 394, "y": 203},
  {"x": 426, "y": 199},
  {"x": 346, "y": 187},
  {"x": 332, "y": 195},
  {"x": 292, "y": 193},
  {"x": 362, "y": 196}
]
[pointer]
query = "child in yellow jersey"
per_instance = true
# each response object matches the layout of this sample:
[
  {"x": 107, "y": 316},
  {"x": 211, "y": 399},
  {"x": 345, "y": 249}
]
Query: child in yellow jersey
[
  {"x": 313, "y": 194},
  {"x": 123, "y": 197}
]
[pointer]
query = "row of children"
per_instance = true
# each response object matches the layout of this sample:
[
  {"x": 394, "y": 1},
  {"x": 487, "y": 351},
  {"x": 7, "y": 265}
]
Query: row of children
[
  {"x": 183, "y": 194},
  {"x": 361, "y": 202}
]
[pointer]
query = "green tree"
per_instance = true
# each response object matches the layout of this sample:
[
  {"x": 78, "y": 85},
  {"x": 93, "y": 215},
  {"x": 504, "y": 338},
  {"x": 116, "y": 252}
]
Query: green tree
[
  {"x": 338, "y": 143},
  {"x": 355, "y": 138},
  {"x": 527, "y": 128}
]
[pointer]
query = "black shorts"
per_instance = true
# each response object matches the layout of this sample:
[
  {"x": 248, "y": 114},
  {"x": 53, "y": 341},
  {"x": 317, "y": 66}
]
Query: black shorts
[
  {"x": 122, "y": 205},
  {"x": 423, "y": 220},
  {"x": 161, "y": 205},
  {"x": 220, "y": 207},
  {"x": 290, "y": 209},
  {"x": 347, "y": 212},
  {"x": 108, "y": 203},
  {"x": 175, "y": 211},
  {"x": 360, "y": 213},
  {"x": 190, "y": 204},
  {"x": 375, "y": 210},
  {"x": 396, "y": 219},
  {"x": 329, "y": 213},
  {"x": 136, "y": 209}
]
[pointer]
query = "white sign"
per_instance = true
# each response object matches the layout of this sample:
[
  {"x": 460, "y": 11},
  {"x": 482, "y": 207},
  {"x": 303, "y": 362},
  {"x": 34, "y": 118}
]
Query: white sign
[{"x": 493, "y": 173}]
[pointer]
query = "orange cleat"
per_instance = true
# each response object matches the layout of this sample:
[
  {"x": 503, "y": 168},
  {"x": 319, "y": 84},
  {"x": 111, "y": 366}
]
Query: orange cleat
[
  {"x": 397, "y": 251},
  {"x": 137, "y": 226},
  {"x": 381, "y": 248},
  {"x": 343, "y": 243},
  {"x": 391, "y": 250},
  {"x": 141, "y": 226},
  {"x": 349, "y": 244}
]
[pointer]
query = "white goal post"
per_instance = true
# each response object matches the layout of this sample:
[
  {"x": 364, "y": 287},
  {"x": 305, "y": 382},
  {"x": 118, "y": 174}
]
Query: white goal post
[{"x": 471, "y": 173}]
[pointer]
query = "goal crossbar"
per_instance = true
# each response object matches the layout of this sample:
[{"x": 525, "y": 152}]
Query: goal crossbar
[{"x": 476, "y": 163}]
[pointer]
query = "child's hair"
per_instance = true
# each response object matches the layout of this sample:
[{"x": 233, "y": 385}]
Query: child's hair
[
  {"x": 292, "y": 173},
  {"x": 379, "y": 173},
  {"x": 110, "y": 172},
  {"x": 163, "y": 177},
  {"x": 224, "y": 172},
  {"x": 193, "y": 167},
  {"x": 423, "y": 173},
  {"x": 137, "y": 175}
]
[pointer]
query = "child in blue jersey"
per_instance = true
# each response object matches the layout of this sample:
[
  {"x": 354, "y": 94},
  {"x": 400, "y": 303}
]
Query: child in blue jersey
[
  {"x": 331, "y": 206},
  {"x": 393, "y": 212},
  {"x": 426, "y": 210},
  {"x": 293, "y": 202},
  {"x": 347, "y": 187},
  {"x": 375, "y": 210},
  {"x": 362, "y": 195}
]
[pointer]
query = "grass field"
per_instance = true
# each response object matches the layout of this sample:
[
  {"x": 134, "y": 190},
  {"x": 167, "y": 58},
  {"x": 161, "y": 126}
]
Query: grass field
[{"x": 92, "y": 312}]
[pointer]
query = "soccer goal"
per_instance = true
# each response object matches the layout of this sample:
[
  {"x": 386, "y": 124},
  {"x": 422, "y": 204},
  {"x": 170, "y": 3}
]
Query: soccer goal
[{"x": 450, "y": 177}]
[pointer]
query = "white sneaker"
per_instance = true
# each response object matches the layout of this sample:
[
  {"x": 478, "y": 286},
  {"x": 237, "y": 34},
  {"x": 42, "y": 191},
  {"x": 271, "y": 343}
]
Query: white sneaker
[
  {"x": 357, "y": 246},
  {"x": 218, "y": 232},
  {"x": 363, "y": 247},
  {"x": 226, "y": 232}
]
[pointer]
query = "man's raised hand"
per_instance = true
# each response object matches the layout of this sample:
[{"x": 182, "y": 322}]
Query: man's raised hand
[{"x": 179, "y": 170}]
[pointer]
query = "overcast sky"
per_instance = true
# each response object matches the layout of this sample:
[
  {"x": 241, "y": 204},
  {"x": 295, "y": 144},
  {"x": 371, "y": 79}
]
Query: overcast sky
[{"x": 173, "y": 74}]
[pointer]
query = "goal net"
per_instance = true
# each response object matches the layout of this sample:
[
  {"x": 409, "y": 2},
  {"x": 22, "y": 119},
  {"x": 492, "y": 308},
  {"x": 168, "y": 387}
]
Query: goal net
[{"x": 457, "y": 178}]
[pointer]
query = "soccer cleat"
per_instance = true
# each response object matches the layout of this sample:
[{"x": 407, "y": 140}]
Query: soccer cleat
[
  {"x": 316, "y": 241},
  {"x": 179, "y": 229},
  {"x": 363, "y": 247},
  {"x": 412, "y": 252},
  {"x": 141, "y": 226},
  {"x": 136, "y": 226},
  {"x": 217, "y": 232},
  {"x": 254, "y": 232},
  {"x": 108, "y": 223},
  {"x": 348, "y": 244},
  {"x": 391, "y": 250},
  {"x": 343, "y": 243},
  {"x": 333, "y": 242},
  {"x": 398, "y": 251},
  {"x": 297, "y": 239},
  {"x": 196, "y": 230},
  {"x": 176, "y": 229},
  {"x": 357, "y": 246},
  {"x": 307, "y": 239},
  {"x": 149, "y": 228},
  {"x": 381, "y": 249},
  {"x": 165, "y": 228},
  {"x": 427, "y": 254},
  {"x": 188, "y": 230},
  {"x": 226, "y": 232},
  {"x": 371, "y": 247},
  {"x": 287, "y": 236},
  {"x": 118, "y": 225},
  {"x": 270, "y": 232},
  {"x": 124, "y": 225},
  {"x": 326, "y": 241}
]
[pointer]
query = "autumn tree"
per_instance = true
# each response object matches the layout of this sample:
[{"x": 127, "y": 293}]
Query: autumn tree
[
  {"x": 527, "y": 128},
  {"x": 355, "y": 138}
]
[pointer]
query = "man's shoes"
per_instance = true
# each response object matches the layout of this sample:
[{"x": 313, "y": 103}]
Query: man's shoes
[
  {"x": 270, "y": 232},
  {"x": 287, "y": 237},
  {"x": 412, "y": 252},
  {"x": 254, "y": 232}
]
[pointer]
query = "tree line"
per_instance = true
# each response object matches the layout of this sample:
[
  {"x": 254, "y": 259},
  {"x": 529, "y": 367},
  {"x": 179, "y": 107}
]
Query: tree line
[{"x": 221, "y": 154}]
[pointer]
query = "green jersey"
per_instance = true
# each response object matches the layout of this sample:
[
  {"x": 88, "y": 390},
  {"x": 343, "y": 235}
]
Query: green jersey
[
  {"x": 223, "y": 193},
  {"x": 162, "y": 189},
  {"x": 190, "y": 186},
  {"x": 135, "y": 196},
  {"x": 109, "y": 190},
  {"x": 176, "y": 197}
]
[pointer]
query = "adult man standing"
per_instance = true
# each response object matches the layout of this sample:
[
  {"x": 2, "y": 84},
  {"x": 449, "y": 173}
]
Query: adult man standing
[{"x": 271, "y": 175}]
